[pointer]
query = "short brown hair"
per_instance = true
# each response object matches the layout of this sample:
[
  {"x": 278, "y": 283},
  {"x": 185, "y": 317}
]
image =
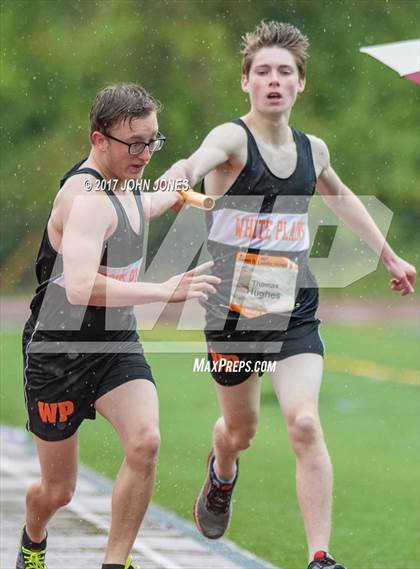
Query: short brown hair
[
  {"x": 268, "y": 34},
  {"x": 116, "y": 103}
]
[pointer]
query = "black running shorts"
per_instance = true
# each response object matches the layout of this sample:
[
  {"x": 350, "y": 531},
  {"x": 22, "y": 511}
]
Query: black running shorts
[
  {"x": 235, "y": 355},
  {"x": 62, "y": 383}
]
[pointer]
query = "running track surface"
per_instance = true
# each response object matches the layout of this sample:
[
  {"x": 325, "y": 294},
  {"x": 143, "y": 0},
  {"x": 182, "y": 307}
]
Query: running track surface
[{"x": 77, "y": 534}]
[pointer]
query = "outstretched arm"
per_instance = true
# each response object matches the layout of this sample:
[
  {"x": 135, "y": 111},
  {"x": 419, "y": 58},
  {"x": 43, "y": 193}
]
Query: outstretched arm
[
  {"x": 222, "y": 145},
  {"x": 346, "y": 205}
]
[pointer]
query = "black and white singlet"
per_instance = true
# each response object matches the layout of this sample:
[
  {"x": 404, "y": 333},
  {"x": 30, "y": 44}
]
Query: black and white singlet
[
  {"x": 258, "y": 237},
  {"x": 121, "y": 259}
]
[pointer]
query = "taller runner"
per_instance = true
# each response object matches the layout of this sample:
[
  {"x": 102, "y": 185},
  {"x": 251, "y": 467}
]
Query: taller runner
[
  {"x": 264, "y": 173},
  {"x": 81, "y": 350}
]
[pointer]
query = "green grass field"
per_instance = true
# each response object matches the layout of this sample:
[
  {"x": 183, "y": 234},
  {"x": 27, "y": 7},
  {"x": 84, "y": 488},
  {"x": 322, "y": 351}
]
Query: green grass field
[{"x": 372, "y": 429}]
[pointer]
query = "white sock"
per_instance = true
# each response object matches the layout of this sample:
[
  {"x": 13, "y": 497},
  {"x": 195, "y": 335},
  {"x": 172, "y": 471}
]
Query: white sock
[{"x": 220, "y": 479}]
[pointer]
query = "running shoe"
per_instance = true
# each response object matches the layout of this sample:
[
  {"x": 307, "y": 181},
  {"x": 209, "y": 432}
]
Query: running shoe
[
  {"x": 322, "y": 559},
  {"x": 213, "y": 509},
  {"x": 129, "y": 566},
  {"x": 31, "y": 558}
]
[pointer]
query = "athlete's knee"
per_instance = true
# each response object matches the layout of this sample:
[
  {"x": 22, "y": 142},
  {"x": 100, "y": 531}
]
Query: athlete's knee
[
  {"x": 142, "y": 448},
  {"x": 241, "y": 437},
  {"x": 304, "y": 429},
  {"x": 59, "y": 494}
]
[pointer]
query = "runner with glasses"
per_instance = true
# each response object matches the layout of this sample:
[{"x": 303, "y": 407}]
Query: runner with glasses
[
  {"x": 80, "y": 345},
  {"x": 135, "y": 148}
]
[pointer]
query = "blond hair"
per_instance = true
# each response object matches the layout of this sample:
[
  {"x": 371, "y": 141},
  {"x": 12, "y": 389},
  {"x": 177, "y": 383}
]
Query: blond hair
[{"x": 280, "y": 34}]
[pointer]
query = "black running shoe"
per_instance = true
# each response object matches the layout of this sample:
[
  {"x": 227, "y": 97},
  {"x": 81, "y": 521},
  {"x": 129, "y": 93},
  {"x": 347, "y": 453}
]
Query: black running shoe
[
  {"x": 213, "y": 509},
  {"x": 31, "y": 558},
  {"x": 322, "y": 559}
]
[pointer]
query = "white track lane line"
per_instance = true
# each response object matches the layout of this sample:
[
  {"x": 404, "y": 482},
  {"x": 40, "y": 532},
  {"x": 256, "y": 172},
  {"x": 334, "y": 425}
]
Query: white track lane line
[{"x": 12, "y": 468}]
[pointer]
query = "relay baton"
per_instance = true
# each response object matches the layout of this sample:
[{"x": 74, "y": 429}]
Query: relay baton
[{"x": 197, "y": 200}]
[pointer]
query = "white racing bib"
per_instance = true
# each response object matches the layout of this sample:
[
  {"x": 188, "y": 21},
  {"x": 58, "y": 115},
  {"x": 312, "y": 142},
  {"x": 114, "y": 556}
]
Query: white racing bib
[{"x": 263, "y": 284}]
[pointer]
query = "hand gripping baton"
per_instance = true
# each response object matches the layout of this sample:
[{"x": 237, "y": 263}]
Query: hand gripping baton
[{"x": 197, "y": 200}]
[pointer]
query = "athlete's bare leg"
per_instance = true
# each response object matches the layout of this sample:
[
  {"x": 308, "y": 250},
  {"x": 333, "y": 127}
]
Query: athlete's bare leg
[
  {"x": 297, "y": 381},
  {"x": 133, "y": 410},
  {"x": 58, "y": 461},
  {"x": 234, "y": 431}
]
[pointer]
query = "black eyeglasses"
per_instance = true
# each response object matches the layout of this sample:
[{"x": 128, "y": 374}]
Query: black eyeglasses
[{"x": 138, "y": 147}]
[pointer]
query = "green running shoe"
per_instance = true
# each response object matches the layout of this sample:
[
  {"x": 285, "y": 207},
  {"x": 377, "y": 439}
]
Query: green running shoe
[
  {"x": 129, "y": 566},
  {"x": 31, "y": 558}
]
